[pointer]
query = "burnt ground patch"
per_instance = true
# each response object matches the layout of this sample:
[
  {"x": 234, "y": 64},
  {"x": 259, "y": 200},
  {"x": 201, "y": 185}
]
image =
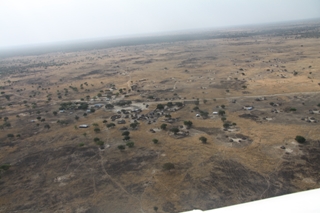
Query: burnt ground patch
[
  {"x": 249, "y": 116},
  {"x": 136, "y": 163},
  {"x": 229, "y": 84},
  {"x": 309, "y": 166},
  {"x": 230, "y": 183},
  {"x": 209, "y": 131}
]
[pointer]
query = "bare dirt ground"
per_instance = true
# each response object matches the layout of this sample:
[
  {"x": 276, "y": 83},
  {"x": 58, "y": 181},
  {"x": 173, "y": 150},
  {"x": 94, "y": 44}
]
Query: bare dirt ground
[{"x": 55, "y": 166}]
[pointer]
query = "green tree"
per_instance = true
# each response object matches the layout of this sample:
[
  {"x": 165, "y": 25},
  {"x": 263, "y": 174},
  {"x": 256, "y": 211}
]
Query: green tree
[
  {"x": 155, "y": 141},
  {"x": 5, "y": 167},
  {"x": 110, "y": 125},
  {"x": 121, "y": 147},
  {"x": 97, "y": 130},
  {"x": 109, "y": 106},
  {"x": 163, "y": 126},
  {"x": 188, "y": 124},
  {"x": 175, "y": 130},
  {"x": 168, "y": 166},
  {"x": 130, "y": 144},
  {"x": 160, "y": 106},
  {"x": 126, "y": 138},
  {"x": 179, "y": 104},
  {"x": 169, "y": 104},
  {"x": 300, "y": 139},
  {"x": 126, "y": 133},
  {"x": 134, "y": 125},
  {"x": 203, "y": 139},
  {"x": 221, "y": 112},
  {"x": 10, "y": 135}
]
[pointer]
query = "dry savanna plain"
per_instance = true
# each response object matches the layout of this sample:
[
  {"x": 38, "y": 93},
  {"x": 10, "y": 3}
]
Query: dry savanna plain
[{"x": 163, "y": 126}]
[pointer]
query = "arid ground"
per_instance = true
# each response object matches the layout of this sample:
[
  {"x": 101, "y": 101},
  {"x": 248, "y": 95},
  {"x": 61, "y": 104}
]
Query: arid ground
[{"x": 247, "y": 93}]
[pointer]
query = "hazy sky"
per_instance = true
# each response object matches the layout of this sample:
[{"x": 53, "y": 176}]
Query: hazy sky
[{"x": 39, "y": 21}]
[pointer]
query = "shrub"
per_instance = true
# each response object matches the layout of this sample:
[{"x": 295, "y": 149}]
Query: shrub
[
  {"x": 5, "y": 167},
  {"x": 97, "y": 130},
  {"x": 10, "y": 135},
  {"x": 155, "y": 141},
  {"x": 100, "y": 143},
  {"x": 130, "y": 144},
  {"x": 121, "y": 147},
  {"x": 168, "y": 166},
  {"x": 81, "y": 144},
  {"x": 300, "y": 139}
]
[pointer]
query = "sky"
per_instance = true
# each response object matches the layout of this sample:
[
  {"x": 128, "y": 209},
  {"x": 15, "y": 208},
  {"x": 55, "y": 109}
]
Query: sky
[{"x": 27, "y": 22}]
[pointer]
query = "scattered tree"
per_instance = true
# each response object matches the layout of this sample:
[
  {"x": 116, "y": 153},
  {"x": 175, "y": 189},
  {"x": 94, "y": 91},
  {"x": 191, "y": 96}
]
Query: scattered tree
[
  {"x": 97, "y": 130},
  {"x": 121, "y": 147},
  {"x": 163, "y": 126},
  {"x": 155, "y": 141},
  {"x": 110, "y": 125},
  {"x": 221, "y": 112},
  {"x": 175, "y": 130},
  {"x": 300, "y": 139},
  {"x": 203, "y": 139},
  {"x": 160, "y": 106},
  {"x": 170, "y": 104},
  {"x": 130, "y": 144},
  {"x": 109, "y": 106},
  {"x": 10, "y": 135},
  {"x": 126, "y": 133},
  {"x": 168, "y": 166},
  {"x": 126, "y": 138},
  {"x": 188, "y": 124},
  {"x": 134, "y": 125}
]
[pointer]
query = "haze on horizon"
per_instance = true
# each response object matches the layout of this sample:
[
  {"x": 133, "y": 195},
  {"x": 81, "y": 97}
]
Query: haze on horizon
[{"x": 36, "y": 21}]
